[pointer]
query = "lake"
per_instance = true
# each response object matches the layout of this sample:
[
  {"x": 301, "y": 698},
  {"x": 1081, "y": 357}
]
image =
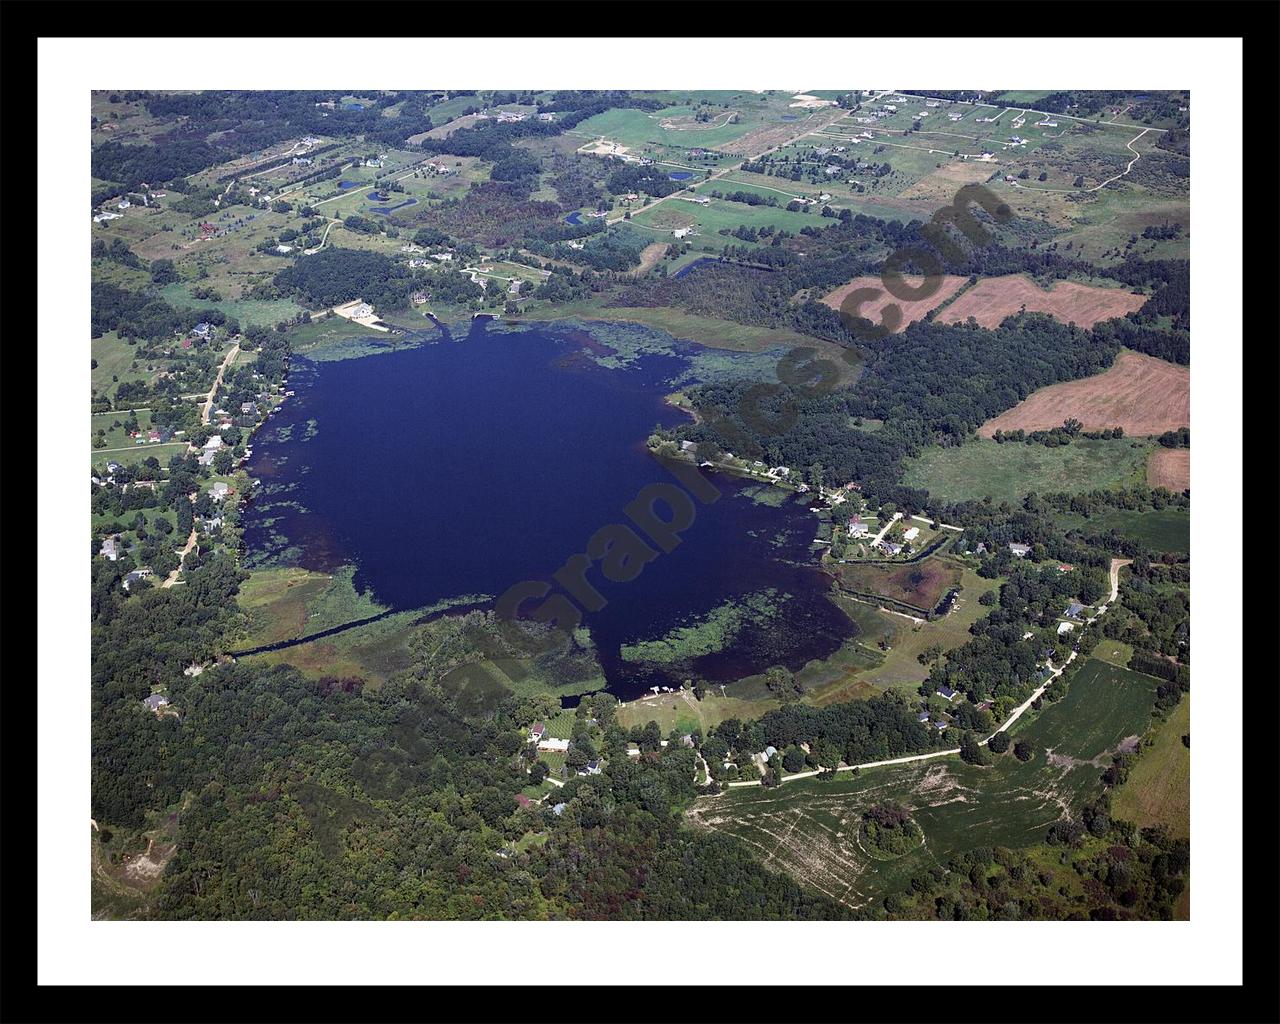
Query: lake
[
  {"x": 465, "y": 466},
  {"x": 680, "y": 175}
]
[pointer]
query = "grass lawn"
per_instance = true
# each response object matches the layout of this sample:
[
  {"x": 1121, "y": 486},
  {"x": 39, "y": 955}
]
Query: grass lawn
[
  {"x": 808, "y": 828},
  {"x": 1113, "y": 652},
  {"x": 1007, "y": 472},
  {"x": 129, "y": 456},
  {"x": 684, "y": 712},
  {"x": 247, "y": 311},
  {"x": 1158, "y": 789}
]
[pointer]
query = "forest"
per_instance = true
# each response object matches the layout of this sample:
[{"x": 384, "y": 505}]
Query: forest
[{"x": 335, "y": 275}]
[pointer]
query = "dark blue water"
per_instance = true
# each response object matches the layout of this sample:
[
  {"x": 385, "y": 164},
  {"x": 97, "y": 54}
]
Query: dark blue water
[
  {"x": 791, "y": 117},
  {"x": 574, "y": 218},
  {"x": 700, "y": 261},
  {"x": 466, "y": 467},
  {"x": 353, "y": 106},
  {"x": 378, "y": 197},
  {"x": 680, "y": 175},
  {"x": 392, "y": 209},
  {"x": 348, "y": 184}
]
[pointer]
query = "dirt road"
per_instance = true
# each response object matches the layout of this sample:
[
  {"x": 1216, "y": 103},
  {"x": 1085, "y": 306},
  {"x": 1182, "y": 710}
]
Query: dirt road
[
  {"x": 182, "y": 557},
  {"x": 207, "y": 409}
]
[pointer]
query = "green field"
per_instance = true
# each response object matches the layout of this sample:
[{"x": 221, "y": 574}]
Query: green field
[
  {"x": 1166, "y": 530},
  {"x": 138, "y": 453},
  {"x": 639, "y": 128},
  {"x": 1007, "y": 472},
  {"x": 1158, "y": 790},
  {"x": 247, "y": 311},
  {"x": 808, "y": 828}
]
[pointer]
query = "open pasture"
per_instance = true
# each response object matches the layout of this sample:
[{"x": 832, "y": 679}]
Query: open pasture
[
  {"x": 1166, "y": 530},
  {"x": 1158, "y": 790},
  {"x": 1140, "y": 393},
  {"x": 1007, "y": 472},
  {"x": 921, "y": 585}
]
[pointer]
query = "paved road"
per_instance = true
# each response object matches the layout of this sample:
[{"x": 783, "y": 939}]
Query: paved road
[
  {"x": 933, "y": 753},
  {"x": 1018, "y": 712}
]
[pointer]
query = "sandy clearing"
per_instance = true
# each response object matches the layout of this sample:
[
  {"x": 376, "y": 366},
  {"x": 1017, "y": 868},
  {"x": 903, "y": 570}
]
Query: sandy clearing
[
  {"x": 995, "y": 298},
  {"x": 1140, "y": 393},
  {"x": 911, "y": 311},
  {"x": 649, "y": 256},
  {"x": 1171, "y": 468},
  {"x": 947, "y": 180}
]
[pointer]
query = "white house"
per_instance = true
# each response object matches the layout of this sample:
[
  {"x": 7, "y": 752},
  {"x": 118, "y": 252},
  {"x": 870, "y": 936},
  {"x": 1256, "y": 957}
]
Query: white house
[
  {"x": 552, "y": 743},
  {"x": 219, "y": 491},
  {"x": 1065, "y": 627},
  {"x": 214, "y": 443},
  {"x": 912, "y": 533}
]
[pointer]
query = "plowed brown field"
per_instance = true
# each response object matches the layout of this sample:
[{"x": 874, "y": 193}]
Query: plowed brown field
[
  {"x": 990, "y": 301},
  {"x": 1171, "y": 468},
  {"x": 1140, "y": 393},
  {"x": 911, "y": 311}
]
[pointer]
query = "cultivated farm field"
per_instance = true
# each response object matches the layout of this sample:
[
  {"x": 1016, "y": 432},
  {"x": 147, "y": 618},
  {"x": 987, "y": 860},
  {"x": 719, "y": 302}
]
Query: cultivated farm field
[
  {"x": 993, "y": 299},
  {"x": 809, "y": 828},
  {"x": 911, "y": 310},
  {"x": 1140, "y": 393},
  {"x": 1171, "y": 468}
]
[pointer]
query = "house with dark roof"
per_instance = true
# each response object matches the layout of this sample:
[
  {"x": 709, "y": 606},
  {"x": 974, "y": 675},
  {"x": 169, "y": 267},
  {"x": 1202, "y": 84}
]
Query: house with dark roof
[
  {"x": 946, "y": 693},
  {"x": 156, "y": 701},
  {"x": 1074, "y": 609},
  {"x": 922, "y": 717}
]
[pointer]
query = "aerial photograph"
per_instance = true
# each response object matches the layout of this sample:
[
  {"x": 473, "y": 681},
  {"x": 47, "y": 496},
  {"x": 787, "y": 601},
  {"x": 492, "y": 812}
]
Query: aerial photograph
[{"x": 532, "y": 504}]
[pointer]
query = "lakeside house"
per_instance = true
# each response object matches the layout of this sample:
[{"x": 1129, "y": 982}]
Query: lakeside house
[
  {"x": 219, "y": 491},
  {"x": 134, "y": 576}
]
